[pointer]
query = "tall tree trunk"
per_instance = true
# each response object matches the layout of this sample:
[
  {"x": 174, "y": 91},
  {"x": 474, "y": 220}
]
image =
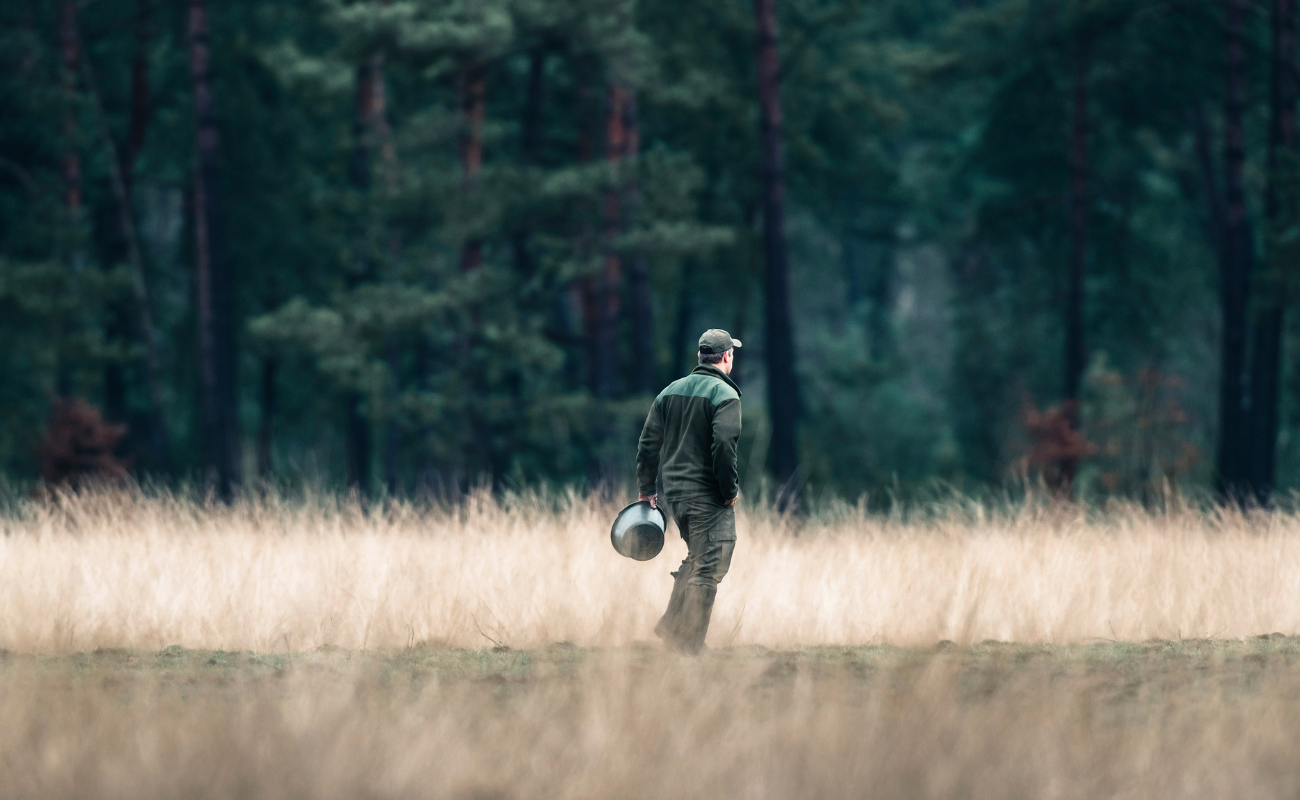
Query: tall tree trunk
[
  {"x": 741, "y": 325},
  {"x": 681, "y": 350},
  {"x": 266, "y": 401},
  {"x": 1216, "y": 217},
  {"x": 472, "y": 88},
  {"x": 374, "y": 114},
  {"x": 851, "y": 252},
  {"x": 70, "y": 52},
  {"x": 357, "y": 430},
  {"x": 392, "y": 351},
  {"x": 529, "y": 148},
  {"x": 588, "y": 295},
  {"x": 1075, "y": 349},
  {"x": 30, "y": 53},
  {"x": 358, "y": 444},
  {"x": 1266, "y": 361},
  {"x": 120, "y": 324},
  {"x": 783, "y": 393},
  {"x": 1231, "y": 477},
  {"x": 75, "y": 254},
  {"x": 644, "y": 374},
  {"x": 119, "y": 173},
  {"x": 879, "y": 292},
  {"x": 531, "y": 129},
  {"x": 472, "y": 95},
  {"x": 392, "y": 429},
  {"x": 585, "y": 289},
  {"x": 141, "y": 102},
  {"x": 619, "y": 140},
  {"x": 212, "y": 268}
]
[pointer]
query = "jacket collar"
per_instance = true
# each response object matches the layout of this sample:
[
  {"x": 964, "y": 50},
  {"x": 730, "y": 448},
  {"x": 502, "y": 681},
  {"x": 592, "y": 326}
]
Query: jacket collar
[{"x": 709, "y": 369}]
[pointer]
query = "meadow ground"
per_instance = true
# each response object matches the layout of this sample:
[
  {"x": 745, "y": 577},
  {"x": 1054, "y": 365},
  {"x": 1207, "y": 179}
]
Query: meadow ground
[
  {"x": 157, "y": 647},
  {"x": 1156, "y": 719}
]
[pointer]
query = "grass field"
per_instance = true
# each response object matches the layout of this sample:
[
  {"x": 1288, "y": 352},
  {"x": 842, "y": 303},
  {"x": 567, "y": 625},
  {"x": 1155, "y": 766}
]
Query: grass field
[
  {"x": 155, "y": 647},
  {"x": 129, "y": 571},
  {"x": 1156, "y": 719}
]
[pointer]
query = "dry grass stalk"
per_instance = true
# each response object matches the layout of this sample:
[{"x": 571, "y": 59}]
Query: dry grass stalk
[{"x": 123, "y": 570}]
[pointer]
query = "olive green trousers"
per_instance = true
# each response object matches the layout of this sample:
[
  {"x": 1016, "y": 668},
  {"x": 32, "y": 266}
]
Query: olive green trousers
[{"x": 709, "y": 529}]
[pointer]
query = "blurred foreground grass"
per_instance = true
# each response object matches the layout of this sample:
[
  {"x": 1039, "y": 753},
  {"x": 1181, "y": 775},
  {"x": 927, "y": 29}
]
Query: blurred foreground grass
[
  {"x": 1228, "y": 663},
  {"x": 1191, "y": 718}
]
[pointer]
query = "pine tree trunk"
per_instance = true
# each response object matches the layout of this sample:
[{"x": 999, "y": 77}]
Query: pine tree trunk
[
  {"x": 1266, "y": 361},
  {"x": 114, "y": 378},
  {"x": 141, "y": 102},
  {"x": 472, "y": 99},
  {"x": 879, "y": 293},
  {"x": 741, "y": 325},
  {"x": 529, "y": 149},
  {"x": 215, "y": 308},
  {"x": 681, "y": 350},
  {"x": 531, "y": 129},
  {"x": 266, "y": 401},
  {"x": 392, "y": 353},
  {"x": 1216, "y": 217},
  {"x": 619, "y": 140},
  {"x": 120, "y": 181},
  {"x": 29, "y": 52},
  {"x": 374, "y": 114},
  {"x": 783, "y": 397},
  {"x": 357, "y": 431},
  {"x": 585, "y": 289},
  {"x": 70, "y": 52},
  {"x": 358, "y": 444},
  {"x": 643, "y": 343},
  {"x": 1075, "y": 352},
  {"x": 117, "y": 324},
  {"x": 473, "y": 96},
  {"x": 589, "y": 296},
  {"x": 644, "y": 373},
  {"x": 1231, "y": 478},
  {"x": 70, "y": 167}
]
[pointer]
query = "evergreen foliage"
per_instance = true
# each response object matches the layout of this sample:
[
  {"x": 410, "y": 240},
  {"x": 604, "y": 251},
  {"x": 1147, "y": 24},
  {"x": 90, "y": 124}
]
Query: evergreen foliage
[{"x": 467, "y": 239}]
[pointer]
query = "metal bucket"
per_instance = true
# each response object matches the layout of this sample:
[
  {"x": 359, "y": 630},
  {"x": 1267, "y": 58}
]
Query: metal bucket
[{"x": 638, "y": 531}]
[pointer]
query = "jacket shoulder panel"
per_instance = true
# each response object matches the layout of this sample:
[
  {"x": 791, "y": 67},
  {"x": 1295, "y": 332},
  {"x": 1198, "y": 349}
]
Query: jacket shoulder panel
[{"x": 712, "y": 389}]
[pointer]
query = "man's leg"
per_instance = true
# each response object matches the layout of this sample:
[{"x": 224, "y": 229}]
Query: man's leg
[
  {"x": 666, "y": 629},
  {"x": 713, "y": 537}
]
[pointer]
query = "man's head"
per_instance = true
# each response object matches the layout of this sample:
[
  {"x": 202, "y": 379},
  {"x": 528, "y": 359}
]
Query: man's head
[{"x": 717, "y": 349}]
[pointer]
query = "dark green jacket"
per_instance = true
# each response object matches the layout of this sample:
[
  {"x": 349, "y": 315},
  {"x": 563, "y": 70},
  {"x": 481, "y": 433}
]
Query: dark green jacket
[{"x": 691, "y": 432}]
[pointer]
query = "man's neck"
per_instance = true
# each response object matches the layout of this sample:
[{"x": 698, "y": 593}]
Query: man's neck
[{"x": 714, "y": 369}]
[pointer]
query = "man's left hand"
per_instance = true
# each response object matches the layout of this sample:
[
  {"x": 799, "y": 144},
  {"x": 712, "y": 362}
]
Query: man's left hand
[{"x": 732, "y": 502}]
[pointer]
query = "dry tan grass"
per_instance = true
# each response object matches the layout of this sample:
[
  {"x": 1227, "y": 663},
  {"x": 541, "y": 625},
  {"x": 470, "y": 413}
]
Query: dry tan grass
[
  {"x": 403, "y": 713},
  {"x": 125, "y": 570},
  {"x": 1191, "y": 720}
]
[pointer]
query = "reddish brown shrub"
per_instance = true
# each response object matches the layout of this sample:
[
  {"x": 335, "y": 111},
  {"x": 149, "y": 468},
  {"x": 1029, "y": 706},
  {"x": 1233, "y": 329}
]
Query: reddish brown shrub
[
  {"x": 1056, "y": 446},
  {"x": 79, "y": 446}
]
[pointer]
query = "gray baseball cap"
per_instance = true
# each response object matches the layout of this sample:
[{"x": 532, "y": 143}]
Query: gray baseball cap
[{"x": 716, "y": 340}]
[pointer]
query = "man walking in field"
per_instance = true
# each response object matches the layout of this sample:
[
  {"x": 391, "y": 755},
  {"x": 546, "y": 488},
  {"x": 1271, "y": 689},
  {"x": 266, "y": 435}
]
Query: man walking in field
[{"x": 691, "y": 432}]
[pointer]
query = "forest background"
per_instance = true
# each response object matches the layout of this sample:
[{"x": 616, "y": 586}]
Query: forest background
[{"x": 421, "y": 245}]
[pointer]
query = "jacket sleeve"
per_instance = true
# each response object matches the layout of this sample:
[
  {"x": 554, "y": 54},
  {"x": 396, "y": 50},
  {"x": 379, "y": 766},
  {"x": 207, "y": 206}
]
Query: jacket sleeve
[
  {"x": 726, "y": 432},
  {"x": 647, "y": 451}
]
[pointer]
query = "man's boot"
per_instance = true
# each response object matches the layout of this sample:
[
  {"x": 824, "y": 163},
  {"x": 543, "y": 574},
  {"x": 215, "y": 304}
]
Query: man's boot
[
  {"x": 667, "y": 627},
  {"x": 693, "y": 623}
]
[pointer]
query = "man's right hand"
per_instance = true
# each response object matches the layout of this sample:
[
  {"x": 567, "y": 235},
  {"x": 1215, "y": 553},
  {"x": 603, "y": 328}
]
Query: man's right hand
[{"x": 653, "y": 498}]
